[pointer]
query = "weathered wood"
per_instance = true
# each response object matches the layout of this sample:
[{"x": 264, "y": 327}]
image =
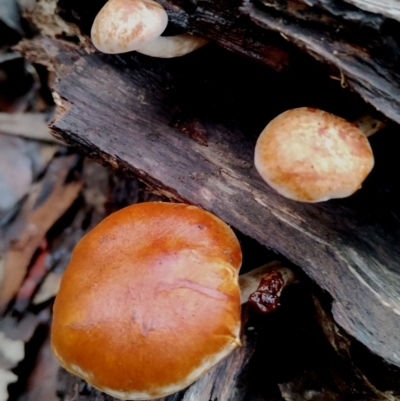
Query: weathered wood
[
  {"x": 389, "y": 8},
  {"x": 121, "y": 113},
  {"x": 369, "y": 68},
  {"x": 360, "y": 46}
]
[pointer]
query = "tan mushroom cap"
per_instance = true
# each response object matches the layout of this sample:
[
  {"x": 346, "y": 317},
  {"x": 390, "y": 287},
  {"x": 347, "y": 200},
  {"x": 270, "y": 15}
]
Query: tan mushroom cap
[
  {"x": 150, "y": 300},
  {"x": 310, "y": 155},
  {"x": 126, "y": 25}
]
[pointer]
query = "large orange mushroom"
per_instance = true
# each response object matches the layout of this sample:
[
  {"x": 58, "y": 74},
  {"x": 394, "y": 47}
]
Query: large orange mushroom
[{"x": 150, "y": 300}]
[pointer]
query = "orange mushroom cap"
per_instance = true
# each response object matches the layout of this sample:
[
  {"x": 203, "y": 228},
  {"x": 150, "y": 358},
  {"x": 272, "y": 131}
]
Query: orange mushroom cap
[
  {"x": 310, "y": 155},
  {"x": 150, "y": 300}
]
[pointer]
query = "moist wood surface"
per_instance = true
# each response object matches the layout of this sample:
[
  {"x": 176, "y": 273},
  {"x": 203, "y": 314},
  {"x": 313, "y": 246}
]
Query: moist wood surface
[{"x": 140, "y": 115}]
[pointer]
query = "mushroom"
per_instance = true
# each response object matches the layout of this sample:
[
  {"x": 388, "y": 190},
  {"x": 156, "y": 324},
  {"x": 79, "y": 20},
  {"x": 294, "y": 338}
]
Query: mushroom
[
  {"x": 310, "y": 155},
  {"x": 126, "y": 25},
  {"x": 150, "y": 300}
]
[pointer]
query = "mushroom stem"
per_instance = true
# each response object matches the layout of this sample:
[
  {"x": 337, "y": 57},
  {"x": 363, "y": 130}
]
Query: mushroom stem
[
  {"x": 262, "y": 287},
  {"x": 172, "y": 46},
  {"x": 369, "y": 125}
]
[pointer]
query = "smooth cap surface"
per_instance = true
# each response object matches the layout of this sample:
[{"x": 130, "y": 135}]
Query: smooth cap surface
[
  {"x": 125, "y": 25},
  {"x": 150, "y": 300},
  {"x": 310, "y": 155}
]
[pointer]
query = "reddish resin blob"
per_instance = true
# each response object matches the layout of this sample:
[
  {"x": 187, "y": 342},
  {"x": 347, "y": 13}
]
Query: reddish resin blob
[{"x": 266, "y": 298}]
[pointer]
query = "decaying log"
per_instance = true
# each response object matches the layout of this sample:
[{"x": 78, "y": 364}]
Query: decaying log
[
  {"x": 358, "y": 39},
  {"x": 122, "y": 111}
]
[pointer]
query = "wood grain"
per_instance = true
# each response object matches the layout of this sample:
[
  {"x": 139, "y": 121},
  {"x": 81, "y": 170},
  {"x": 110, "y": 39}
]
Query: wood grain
[
  {"x": 344, "y": 38},
  {"x": 389, "y": 8}
]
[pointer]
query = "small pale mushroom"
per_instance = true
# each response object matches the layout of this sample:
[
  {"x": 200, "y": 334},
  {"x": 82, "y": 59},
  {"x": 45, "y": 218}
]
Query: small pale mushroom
[
  {"x": 150, "y": 300},
  {"x": 126, "y": 25},
  {"x": 310, "y": 155}
]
